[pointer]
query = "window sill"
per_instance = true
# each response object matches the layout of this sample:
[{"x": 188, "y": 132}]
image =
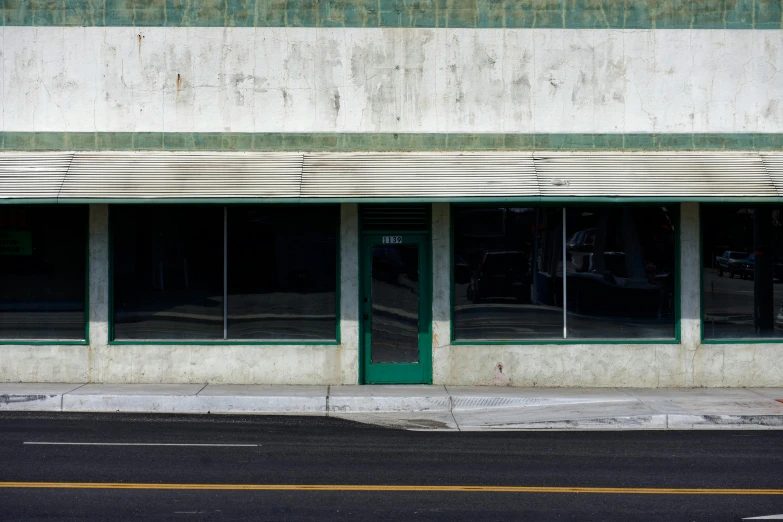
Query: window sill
[
  {"x": 225, "y": 343},
  {"x": 778, "y": 340},
  {"x": 566, "y": 341},
  {"x": 49, "y": 342}
]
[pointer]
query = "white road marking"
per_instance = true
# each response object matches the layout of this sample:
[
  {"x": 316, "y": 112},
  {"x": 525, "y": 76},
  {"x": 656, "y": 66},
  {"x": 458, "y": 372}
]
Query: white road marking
[
  {"x": 768, "y": 517},
  {"x": 139, "y": 444}
]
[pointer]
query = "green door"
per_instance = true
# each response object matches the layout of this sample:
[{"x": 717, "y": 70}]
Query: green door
[{"x": 395, "y": 309}]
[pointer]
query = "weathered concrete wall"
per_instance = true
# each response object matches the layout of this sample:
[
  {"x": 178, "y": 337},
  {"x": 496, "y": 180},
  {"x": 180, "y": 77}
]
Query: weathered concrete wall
[
  {"x": 188, "y": 363},
  {"x": 207, "y": 79},
  {"x": 441, "y": 291},
  {"x": 689, "y": 363},
  {"x": 349, "y": 294}
]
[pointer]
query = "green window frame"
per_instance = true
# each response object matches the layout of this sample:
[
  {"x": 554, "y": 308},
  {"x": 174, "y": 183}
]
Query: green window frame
[
  {"x": 247, "y": 342},
  {"x": 566, "y": 205}
]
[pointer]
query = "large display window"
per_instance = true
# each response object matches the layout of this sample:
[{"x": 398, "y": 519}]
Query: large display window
[
  {"x": 43, "y": 266},
  {"x": 245, "y": 273},
  {"x": 620, "y": 273},
  {"x": 742, "y": 272}
]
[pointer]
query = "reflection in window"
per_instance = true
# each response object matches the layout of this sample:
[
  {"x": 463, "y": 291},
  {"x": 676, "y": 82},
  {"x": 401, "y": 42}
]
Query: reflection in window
[
  {"x": 42, "y": 272},
  {"x": 282, "y": 266},
  {"x": 507, "y": 274},
  {"x": 620, "y": 273},
  {"x": 395, "y": 304},
  {"x": 742, "y": 271},
  {"x": 168, "y": 272}
]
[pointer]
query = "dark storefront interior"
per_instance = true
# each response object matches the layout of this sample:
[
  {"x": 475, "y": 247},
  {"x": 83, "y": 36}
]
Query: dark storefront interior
[{"x": 620, "y": 273}]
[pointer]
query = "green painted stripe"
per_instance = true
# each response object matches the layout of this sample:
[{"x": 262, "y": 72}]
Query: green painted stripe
[
  {"x": 571, "y": 14},
  {"x": 346, "y": 142}
]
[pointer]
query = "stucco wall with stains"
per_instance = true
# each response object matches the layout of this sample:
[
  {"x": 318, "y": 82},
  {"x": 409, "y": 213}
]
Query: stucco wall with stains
[{"x": 276, "y": 79}]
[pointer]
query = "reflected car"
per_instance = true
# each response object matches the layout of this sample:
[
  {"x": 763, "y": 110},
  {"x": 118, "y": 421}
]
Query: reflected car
[
  {"x": 501, "y": 274},
  {"x": 749, "y": 267},
  {"x": 730, "y": 261},
  {"x": 582, "y": 240}
]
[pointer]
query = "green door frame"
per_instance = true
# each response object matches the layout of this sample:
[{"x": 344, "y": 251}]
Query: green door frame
[{"x": 395, "y": 373}]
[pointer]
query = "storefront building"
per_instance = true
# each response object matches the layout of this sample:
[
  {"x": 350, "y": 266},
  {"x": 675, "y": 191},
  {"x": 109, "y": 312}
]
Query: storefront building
[{"x": 419, "y": 192}]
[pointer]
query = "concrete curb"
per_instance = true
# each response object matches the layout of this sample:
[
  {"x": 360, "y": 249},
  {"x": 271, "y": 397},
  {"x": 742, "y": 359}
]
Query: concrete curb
[{"x": 422, "y": 407}]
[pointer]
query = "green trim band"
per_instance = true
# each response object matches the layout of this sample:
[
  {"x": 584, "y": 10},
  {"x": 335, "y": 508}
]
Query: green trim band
[
  {"x": 559, "y": 14},
  {"x": 359, "y": 142}
]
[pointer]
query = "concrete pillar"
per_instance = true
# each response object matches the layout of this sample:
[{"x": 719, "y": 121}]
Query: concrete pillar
[
  {"x": 349, "y": 293},
  {"x": 99, "y": 289},
  {"x": 441, "y": 291},
  {"x": 690, "y": 285}
]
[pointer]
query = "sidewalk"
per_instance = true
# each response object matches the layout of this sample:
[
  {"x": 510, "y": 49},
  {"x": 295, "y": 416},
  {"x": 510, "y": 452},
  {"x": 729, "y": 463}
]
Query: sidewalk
[{"x": 426, "y": 407}]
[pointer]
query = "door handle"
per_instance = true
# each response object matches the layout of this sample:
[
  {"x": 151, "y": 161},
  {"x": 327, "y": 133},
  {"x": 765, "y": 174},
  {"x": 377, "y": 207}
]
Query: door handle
[{"x": 366, "y": 317}]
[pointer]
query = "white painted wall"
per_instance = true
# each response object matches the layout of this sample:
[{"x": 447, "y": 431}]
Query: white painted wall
[{"x": 390, "y": 80}]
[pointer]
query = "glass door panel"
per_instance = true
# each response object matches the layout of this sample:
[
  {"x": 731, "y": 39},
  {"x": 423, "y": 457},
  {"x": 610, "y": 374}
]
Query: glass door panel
[
  {"x": 395, "y": 303},
  {"x": 396, "y": 309}
]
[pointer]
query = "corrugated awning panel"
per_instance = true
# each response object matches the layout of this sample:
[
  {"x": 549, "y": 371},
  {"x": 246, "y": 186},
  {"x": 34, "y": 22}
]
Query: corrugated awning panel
[
  {"x": 668, "y": 174},
  {"x": 32, "y": 175},
  {"x": 773, "y": 161},
  {"x": 418, "y": 175},
  {"x": 171, "y": 175}
]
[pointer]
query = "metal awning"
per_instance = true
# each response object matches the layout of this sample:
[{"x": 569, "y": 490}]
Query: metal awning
[
  {"x": 773, "y": 161},
  {"x": 366, "y": 177},
  {"x": 654, "y": 175},
  {"x": 182, "y": 175},
  {"x": 33, "y": 176},
  {"x": 418, "y": 175}
]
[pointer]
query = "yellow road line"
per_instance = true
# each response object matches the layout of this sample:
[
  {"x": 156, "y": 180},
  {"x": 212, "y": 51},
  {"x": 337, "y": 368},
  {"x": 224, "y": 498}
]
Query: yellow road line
[{"x": 339, "y": 487}]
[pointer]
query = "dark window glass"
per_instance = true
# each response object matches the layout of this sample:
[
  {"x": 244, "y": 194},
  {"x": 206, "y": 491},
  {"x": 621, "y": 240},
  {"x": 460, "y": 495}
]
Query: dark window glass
[
  {"x": 620, "y": 272},
  {"x": 282, "y": 273},
  {"x": 168, "y": 272},
  {"x": 742, "y": 272},
  {"x": 507, "y": 273},
  {"x": 42, "y": 272}
]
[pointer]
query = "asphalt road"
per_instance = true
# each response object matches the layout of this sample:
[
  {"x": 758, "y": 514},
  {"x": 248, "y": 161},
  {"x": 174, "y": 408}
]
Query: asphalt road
[{"x": 274, "y": 457}]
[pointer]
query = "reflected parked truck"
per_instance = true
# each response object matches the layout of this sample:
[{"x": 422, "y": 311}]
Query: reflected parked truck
[{"x": 730, "y": 262}]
